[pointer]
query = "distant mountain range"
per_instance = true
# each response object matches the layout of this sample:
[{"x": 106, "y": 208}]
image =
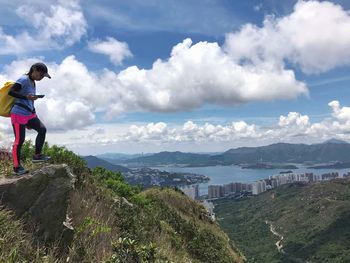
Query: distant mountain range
[
  {"x": 330, "y": 151},
  {"x": 93, "y": 162},
  {"x": 167, "y": 158},
  {"x": 335, "y": 141},
  {"x": 121, "y": 156},
  {"x": 287, "y": 153}
]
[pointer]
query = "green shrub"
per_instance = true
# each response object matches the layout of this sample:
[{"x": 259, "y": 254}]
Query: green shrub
[
  {"x": 59, "y": 155},
  {"x": 93, "y": 226},
  {"x": 129, "y": 250},
  {"x": 5, "y": 162},
  {"x": 115, "y": 182},
  {"x": 207, "y": 247}
]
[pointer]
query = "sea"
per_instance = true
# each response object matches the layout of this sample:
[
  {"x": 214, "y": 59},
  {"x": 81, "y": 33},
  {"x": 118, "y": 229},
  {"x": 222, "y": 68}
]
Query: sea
[{"x": 220, "y": 175}]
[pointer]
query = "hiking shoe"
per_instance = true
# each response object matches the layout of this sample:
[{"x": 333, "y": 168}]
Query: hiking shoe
[
  {"x": 19, "y": 170},
  {"x": 40, "y": 158}
]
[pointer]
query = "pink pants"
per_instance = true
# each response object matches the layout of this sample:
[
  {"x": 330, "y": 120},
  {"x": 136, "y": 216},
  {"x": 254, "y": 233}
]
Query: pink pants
[{"x": 16, "y": 121}]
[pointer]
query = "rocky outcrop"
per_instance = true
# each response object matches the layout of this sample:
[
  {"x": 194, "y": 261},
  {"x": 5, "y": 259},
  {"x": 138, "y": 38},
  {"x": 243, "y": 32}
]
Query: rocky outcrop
[{"x": 41, "y": 200}]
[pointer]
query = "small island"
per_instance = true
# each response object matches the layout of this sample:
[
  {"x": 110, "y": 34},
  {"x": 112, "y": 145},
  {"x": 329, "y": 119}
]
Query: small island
[
  {"x": 336, "y": 165},
  {"x": 268, "y": 166}
]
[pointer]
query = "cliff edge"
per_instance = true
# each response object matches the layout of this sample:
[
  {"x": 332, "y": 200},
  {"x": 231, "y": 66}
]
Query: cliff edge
[{"x": 40, "y": 199}]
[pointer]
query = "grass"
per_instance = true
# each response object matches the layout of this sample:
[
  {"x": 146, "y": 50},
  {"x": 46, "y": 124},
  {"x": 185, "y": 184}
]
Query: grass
[
  {"x": 5, "y": 162},
  {"x": 313, "y": 219},
  {"x": 114, "y": 221},
  {"x": 16, "y": 245},
  {"x": 188, "y": 225}
]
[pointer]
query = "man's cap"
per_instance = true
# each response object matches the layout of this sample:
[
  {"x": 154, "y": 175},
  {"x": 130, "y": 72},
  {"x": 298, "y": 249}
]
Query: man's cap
[{"x": 42, "y": 68}]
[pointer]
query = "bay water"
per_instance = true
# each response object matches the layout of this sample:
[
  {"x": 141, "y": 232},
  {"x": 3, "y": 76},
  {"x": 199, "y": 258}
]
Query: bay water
[{"x": 220, "y": 175}]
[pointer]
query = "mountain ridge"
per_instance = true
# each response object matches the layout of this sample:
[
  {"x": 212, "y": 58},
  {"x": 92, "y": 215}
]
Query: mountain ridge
[
  {"x": 93, "y": 161},
  {"x": 329, "y": 151},
  {"x": 101, "y": 218}
]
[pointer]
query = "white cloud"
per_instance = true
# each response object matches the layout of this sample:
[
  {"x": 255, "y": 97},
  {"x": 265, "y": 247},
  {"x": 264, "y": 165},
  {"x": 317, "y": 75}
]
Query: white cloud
[
  {"x": 294, "y": 120},
  {"x": 201, "y": 74},
  {"x": 258, "y": 7},
  {"x": 341, "y": 114},
  {"x": 338, "y": 125},
  {"x": 294, "y": 128},
  {"x": 315, "y": 36},
  {"x": 17, "y": 44},
  {"x": 151, "y": 131},
  {"x": 116, "y": 50},
  {"x": 62, "y": 25},
  {"x": 64, "y": 114},
  {"x": 66, "y": 105},
  {"x": 190, "y": 136},
  {"x": 190, "y": 132},
  {"x": 193, "y": 76}
]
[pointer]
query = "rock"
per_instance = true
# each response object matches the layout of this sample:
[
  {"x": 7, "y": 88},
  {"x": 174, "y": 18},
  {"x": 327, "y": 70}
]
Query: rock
[
  {"x": 41, "y": 200},
  {"x": 126, "y": 202}
]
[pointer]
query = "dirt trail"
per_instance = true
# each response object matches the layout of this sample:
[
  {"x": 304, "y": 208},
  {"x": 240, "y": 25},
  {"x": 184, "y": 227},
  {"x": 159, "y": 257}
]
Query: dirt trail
[{"x": 279, "y": 244}]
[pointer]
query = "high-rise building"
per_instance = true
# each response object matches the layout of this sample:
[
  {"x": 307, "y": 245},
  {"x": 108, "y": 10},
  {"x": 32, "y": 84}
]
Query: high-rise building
[
  {"x": 329, "y": 176},
  {"x": 215, "y": 191},
  {"x": 238, "y": 187},
  {"x": 258, "y": 187},
  {"x": 228, "y": 189}
]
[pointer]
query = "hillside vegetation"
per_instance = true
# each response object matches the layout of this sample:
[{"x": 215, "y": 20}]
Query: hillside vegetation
[
  {"x": 312, "y": 218},
  {"x": 116, "y": 222}
]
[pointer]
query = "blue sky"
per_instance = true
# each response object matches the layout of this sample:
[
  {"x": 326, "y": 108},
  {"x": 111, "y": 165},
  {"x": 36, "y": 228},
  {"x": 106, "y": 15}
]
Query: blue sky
[{"x": 147, "y": 76}]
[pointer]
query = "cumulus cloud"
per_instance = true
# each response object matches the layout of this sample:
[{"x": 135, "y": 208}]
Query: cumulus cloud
[
  {"x": 293, "y": 127},
  {"x": 200, "y": 74},
  {"x": 62, "y": 114},
  {"x": 338, "y": 125},
  {"x": 62, "y": 25},
  {"x": 15, "y": 44},
  {"x": 193, "y": 76},
  {"x": 66, "y": 105},
  {"x": 294, "y": 120},
  {"x": 151, "y": 131},
  {"x": 295, "y": 124},
  {"x": 315, "y": 37},
  {"x": 340, "y": 113},
  {"x": 250, "y": 67},
  {"x": 116, "y": 50},
  {"x": 190, "y": 132}
]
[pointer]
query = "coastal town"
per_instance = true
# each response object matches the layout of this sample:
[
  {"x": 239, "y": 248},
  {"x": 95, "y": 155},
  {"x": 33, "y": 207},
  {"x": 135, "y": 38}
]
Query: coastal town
[
  {"x": 239, "y": 190},
  {"x": 148, "y": 177}
]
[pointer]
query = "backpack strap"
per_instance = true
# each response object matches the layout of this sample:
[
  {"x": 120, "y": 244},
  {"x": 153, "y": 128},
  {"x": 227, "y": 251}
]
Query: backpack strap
[{"x": 25, "y": 107}]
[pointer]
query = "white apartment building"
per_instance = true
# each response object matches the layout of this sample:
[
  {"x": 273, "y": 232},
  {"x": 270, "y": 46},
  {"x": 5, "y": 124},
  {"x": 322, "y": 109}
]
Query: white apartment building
[{"x": 258, "y": 187}]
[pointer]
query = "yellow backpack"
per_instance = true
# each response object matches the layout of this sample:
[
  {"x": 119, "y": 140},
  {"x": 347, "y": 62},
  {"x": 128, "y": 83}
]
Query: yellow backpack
[{"x": 6, "y": 101}]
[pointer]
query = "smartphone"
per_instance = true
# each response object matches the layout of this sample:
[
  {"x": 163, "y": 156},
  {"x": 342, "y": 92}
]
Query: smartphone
[{"x": 40, "y": 96}]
